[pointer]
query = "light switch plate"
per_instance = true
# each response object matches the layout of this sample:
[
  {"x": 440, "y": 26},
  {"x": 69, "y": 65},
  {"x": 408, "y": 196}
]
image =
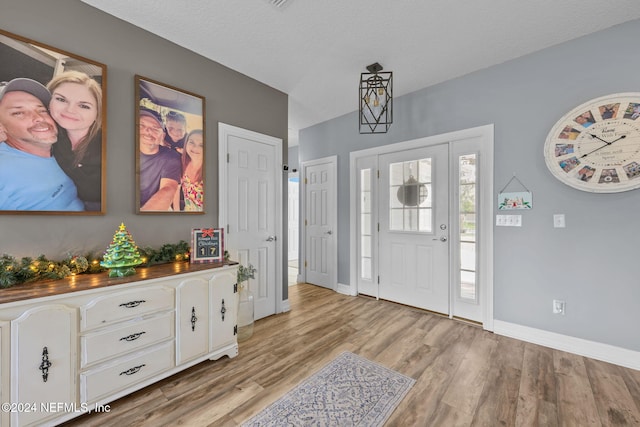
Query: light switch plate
[
  {"x": 558, "y": 221},
  {"x": 509, "y": 220}
]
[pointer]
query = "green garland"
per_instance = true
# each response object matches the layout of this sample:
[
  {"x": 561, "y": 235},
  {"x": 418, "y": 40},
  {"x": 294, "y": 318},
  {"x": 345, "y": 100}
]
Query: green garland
[
  {"x": 167, "y": 253},
  {"x": 15, "y": 272}
]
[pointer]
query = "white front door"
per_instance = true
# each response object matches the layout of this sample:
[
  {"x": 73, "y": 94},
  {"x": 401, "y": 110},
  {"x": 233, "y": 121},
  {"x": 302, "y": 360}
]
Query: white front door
[
  {"x": 414, "y": 228},
  {"x": 393, "y": 251},
  {"x": 250, "y": 209},
  {"x": 320, "y": 222}
]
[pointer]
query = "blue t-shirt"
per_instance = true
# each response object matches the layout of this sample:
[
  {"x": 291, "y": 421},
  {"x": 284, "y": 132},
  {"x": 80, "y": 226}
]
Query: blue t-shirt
[
  {"x": 165, "y": 163},
  {"x": 33, "y": 183}
]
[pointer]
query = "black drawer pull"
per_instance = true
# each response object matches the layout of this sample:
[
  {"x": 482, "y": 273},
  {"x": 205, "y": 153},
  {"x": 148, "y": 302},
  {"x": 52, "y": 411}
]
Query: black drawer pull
[
  {"x": 132, "y": 371},
  {"x": 194, "y": 319},
  {"x": 223, "y": 310},
  {"x": 132, "y": 337},
  {"x": 45, "y": 365},
  {"x": 132, "y": 304}
]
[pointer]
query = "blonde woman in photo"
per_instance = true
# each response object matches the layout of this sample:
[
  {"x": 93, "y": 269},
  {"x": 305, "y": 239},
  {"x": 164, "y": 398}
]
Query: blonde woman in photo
[
  {"x": 76, "y": 106},
  {"x": 190, "y": 194}
]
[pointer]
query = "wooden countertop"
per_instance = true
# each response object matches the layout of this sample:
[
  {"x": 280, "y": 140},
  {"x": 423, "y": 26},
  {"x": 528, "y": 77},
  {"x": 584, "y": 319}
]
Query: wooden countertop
[{"x": 82, "y": 282}]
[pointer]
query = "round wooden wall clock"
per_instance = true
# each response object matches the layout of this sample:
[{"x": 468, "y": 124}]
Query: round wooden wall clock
[{"x": 596, "y": 146}]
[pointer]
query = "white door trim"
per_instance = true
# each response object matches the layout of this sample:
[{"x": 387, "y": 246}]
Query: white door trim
[
  {"x": 485, "y": 204},
  {"x": 333, "y": 220},
  {"x": 223, "y": 131}
]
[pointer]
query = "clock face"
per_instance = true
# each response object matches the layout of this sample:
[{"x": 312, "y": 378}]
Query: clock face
[{"x": 596, "y": 146}]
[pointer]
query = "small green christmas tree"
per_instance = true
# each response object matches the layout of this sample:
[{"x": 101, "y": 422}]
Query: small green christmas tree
[{"x": 122, "y": 254}]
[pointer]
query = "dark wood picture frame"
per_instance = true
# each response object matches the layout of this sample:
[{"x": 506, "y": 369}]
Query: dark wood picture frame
[
  {"x": 170, "y": 149},
  {"x": 30, "y": 182}
]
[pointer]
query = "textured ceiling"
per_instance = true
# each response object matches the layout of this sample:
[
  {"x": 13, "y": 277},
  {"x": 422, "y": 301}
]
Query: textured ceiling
[{"x": 315, "y": 50}]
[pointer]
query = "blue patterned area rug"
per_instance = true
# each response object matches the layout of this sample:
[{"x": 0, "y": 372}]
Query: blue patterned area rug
[{"x": 349, "y": 391}]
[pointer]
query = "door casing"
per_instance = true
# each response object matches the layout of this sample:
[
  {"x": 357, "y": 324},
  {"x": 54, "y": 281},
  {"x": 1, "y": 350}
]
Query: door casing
[{"x": 485, "y": 136}]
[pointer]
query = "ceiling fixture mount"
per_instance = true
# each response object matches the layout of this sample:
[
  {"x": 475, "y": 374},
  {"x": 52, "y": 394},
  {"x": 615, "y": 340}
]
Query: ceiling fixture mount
[
  {"x": 278, "y": 3},
  {"x": 376, "y": 100}
]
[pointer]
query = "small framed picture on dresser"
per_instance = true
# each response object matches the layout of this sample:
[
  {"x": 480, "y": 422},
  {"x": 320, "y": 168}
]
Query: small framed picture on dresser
[{"x": 207, "y": 245}]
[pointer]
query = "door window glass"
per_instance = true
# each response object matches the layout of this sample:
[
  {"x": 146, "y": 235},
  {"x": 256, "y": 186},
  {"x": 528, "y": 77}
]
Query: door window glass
[
  {"x": 468, "y": 289},
  {"x": 410, "y": 196},
  {"x": 366, "y": 226}
]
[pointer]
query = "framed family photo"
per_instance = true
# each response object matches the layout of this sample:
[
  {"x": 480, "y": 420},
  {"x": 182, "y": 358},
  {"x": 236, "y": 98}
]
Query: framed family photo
[
  {"x": 52, "y": 130},
  {"x": 170, "y": 149}
]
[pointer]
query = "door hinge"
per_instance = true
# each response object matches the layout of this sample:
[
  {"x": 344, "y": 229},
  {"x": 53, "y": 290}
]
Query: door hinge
[
  {"x": 378, "y": 280},
  {"x": 378, "y": 173},
  {"x": 228, "y": 158},
  {"x": 227, "y": 230},
  {"x": 378, "y": 227},
  {"x": 235, "y": 330},
  {"x": 235, "y": 288},
  {"x": 305, "y": 181},
  {"x": 305, "y": 263},
  {"x": 305, "y": 222}
]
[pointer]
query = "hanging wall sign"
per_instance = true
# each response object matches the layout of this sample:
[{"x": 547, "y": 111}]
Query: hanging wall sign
[
  {"x": 515, "y": 200},
  {"x": 207, "y": 245}
]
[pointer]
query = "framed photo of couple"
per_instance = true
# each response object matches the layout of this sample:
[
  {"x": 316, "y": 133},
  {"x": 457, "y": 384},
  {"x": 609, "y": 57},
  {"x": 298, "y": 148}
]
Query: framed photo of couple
[
  {"x": 170, "y": 149},
  {"x": 52, "y": 130}
]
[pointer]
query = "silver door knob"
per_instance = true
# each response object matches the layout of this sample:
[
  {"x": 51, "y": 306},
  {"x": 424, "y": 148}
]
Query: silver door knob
[
  {"x": 271, "y": 238},
  {"x": 442, "y": 239},
  {"x": 329, "y": 232}
]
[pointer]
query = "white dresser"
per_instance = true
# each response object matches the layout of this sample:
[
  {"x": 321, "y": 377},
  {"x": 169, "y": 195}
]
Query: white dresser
[{"x": 74, "y": 345}]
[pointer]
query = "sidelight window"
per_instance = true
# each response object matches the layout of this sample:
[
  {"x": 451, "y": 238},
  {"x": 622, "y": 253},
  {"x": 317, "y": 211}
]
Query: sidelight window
[
  {"x": 468, "y": 207},
  {"x": 366, "y": 232}
]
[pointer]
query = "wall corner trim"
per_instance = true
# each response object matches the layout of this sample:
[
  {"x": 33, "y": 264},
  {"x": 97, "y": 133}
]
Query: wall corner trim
[
  {"x": 345, "y": 290},
  {"x": 595, "y": 350}
]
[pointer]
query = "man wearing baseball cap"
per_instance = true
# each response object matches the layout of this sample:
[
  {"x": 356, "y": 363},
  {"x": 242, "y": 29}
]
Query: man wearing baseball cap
[
  {"x": 160, "y": 167},
  {"x": 30, "y": 178}
]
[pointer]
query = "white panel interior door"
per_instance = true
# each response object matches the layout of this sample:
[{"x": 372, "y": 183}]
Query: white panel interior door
[
  {"x": 320, "y": 220},
  {"x": 252, "y": 206},
  {"x": 413, "y": 238}
]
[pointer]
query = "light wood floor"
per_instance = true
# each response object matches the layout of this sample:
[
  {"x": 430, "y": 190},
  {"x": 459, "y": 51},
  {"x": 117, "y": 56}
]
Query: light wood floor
[{"x": 464, "y": 375}]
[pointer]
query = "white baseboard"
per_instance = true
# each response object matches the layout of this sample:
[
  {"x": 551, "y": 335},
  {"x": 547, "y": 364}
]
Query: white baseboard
[
  {"x": 345, "y": 290},
  {"x": 286, "y": 307},
  {"x": 595, "y": 350}
]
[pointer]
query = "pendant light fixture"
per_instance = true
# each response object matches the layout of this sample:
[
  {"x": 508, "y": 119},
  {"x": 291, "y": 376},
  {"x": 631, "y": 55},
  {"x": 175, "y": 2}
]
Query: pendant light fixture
[{"x": 376, "y": 100}]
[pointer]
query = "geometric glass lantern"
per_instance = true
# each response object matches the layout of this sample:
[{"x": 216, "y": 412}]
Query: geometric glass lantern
[{"x": 376, "y": 100}]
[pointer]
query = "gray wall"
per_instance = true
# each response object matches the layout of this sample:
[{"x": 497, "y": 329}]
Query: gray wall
[
  {"x": 231, "y": 98},
  {"x": 293, "y": 158},
  {"x": 592, "y": 263}
]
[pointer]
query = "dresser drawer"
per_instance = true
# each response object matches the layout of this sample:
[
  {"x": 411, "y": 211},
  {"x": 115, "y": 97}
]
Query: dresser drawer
[
  {"x": 125, "y": 305},
  {"x": 124, "y": 338},
  {"x": 96, "y": 384}
]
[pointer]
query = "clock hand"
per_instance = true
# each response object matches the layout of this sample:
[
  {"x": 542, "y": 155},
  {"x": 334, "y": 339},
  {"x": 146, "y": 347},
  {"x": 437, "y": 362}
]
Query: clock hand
[
  {"x": 597, "y": 137},
  {"x": 593, "y": 151},
  {"x": 618, "y": 139},
  {"x": 600, "y": 148}
]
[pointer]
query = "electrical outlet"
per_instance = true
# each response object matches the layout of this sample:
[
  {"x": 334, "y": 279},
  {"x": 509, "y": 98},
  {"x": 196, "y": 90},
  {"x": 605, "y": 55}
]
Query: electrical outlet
[
  {"x": 558, "y": 221},
  {"x": 558, "y": 307}
]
